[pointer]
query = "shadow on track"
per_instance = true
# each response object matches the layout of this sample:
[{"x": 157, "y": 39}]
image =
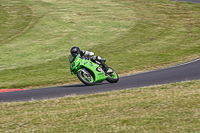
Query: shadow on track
[{"x": 82, "y": 85}]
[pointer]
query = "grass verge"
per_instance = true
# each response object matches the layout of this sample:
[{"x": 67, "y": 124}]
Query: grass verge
[{"x": 164, "y": 108}]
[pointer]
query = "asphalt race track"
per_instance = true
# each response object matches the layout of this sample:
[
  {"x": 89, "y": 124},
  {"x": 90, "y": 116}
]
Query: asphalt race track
[
  {"x": 182, "y": 72},
  {"x": 179, "y": 73},
  {"x": 193, "y": 1}
]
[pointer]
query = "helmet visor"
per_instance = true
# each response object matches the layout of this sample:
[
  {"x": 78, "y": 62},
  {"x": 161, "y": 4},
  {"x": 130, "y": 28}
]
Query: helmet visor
[{"x": 74, "y": 54}]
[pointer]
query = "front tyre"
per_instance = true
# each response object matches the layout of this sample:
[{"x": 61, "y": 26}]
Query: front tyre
[
  {"x": 113, "y": 77},
  {"x": 85, "y": 77}
]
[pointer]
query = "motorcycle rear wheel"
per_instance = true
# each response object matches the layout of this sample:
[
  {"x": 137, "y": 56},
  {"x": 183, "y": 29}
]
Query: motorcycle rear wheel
[
  {"x": 86, "y": 77},
  {"x": 113, "y": 77}
]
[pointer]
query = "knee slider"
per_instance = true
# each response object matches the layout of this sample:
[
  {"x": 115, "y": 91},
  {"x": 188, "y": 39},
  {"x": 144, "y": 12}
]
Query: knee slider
[{"x": 98, "y": 58}]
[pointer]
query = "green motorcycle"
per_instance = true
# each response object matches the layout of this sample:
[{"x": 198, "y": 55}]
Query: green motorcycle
[{"x": 89, "y": 72}]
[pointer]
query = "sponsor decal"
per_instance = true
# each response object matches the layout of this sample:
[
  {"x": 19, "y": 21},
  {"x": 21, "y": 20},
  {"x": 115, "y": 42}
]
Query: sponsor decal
[
  {"x": 91, "y": 64},
  {"x": 72, "y": 65},
  {"x": 100, "y": 73}
]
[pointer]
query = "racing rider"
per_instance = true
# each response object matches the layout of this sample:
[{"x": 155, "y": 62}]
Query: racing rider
[{"x": 90, "y": 55}]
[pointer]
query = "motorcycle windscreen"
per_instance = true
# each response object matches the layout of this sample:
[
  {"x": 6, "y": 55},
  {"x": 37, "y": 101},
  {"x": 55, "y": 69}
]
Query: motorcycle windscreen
[{"x": 71, "y": 58}]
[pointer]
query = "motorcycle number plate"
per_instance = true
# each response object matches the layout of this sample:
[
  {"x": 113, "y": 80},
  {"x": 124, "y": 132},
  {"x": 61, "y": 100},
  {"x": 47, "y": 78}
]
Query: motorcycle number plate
[{"x": 99, "y": 69}]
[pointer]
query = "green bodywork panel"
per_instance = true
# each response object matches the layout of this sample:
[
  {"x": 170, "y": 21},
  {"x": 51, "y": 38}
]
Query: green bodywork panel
[{"x": 77, "y": 64}]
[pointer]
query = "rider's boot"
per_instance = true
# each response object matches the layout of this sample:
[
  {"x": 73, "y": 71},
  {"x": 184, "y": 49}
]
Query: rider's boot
[
  {"x": 108, "y": 70},
  {"x": 101, "y": 62}
]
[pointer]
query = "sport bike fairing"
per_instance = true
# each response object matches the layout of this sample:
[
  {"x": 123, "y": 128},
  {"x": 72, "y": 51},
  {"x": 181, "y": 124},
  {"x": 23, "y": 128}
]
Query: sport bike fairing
[{"x": 79, "y": 64}]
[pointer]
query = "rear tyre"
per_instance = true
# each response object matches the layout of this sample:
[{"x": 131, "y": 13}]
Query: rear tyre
[
  {"x": 85, "y": 77},
  {"x": 113, "y": 77}
]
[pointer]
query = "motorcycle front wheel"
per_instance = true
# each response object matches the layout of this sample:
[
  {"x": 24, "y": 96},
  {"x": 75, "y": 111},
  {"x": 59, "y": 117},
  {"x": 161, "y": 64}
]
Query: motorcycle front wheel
[{"x": 85, "y": 77}]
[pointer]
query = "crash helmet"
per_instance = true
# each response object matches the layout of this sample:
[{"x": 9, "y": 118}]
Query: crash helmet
[{"x": 75, "y": 51}]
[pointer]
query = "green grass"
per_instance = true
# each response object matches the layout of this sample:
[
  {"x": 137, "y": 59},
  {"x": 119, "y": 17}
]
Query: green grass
[
  {"x": 132, "y": 35},
  {"x": 164, "y": 108}
]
